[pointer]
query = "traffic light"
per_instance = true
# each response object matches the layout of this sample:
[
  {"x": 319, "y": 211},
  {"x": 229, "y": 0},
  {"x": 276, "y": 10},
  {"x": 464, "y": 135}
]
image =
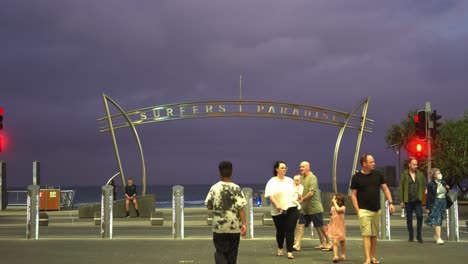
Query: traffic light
[
  {"x": 420, "y": 123},
  {"x": 1, "y": 127},
  {"x": 417, "y": 148},
  {"x": 1, "y": 118},
  {"x": 436, "y": 125},
  {"x": 420, "y": 150}
]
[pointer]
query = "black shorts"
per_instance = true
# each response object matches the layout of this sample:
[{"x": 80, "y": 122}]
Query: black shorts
[{"x": 316, "y": 219}]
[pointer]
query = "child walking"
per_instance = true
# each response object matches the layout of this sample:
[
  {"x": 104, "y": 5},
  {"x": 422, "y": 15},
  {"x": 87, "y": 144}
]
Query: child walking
[{"x": 337, "y": 227}]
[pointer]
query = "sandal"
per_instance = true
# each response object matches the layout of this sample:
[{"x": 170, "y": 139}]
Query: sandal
[
  {"x": 343, "y": 257},
  {"x": 280, "y": 252},
  {"x": 374, "y": 261},
  {"x": 290, "y": 255},
  {"x": 335, "y": 259}
]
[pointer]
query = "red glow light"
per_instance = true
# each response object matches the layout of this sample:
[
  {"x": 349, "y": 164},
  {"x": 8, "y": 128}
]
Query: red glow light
[{"x": 418, "y": 147}]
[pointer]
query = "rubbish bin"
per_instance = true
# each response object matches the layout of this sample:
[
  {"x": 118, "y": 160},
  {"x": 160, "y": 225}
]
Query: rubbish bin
[{"x": 49, "y": 199}]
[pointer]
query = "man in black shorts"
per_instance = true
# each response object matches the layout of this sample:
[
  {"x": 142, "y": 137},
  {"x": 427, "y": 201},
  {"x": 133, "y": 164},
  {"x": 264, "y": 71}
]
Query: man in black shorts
[
  {"x": 130, "y": 196},
  {"x": 312, "y": 210}
]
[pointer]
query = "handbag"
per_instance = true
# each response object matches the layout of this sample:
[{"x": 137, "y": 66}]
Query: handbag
[{"x": 451, "y": 197}]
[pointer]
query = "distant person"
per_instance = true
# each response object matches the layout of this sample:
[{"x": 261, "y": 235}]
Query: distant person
[
  {"x": 312, "y": 209},
  {"x": 436, "y": 203},
  {"x": 411, "y": 191},
  {"x": 130, "y": 196},
  {"x": 365, "y": 195},
  {"x": 257, "y": 199},
  {"x": 114, "y": 189},
  {"x": 280, "y": 190},
  {"x": 337, "y": 227},
  {"x": 227, "y": 201}
]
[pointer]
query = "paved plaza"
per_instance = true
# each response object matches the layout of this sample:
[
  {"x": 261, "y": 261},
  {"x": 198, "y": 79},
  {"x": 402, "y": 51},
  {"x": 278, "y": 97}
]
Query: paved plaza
[{"x": 69, "y": 239}]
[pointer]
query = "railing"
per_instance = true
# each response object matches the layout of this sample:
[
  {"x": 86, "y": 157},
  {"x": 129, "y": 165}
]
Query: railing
[{"x": 19, "y": 198}]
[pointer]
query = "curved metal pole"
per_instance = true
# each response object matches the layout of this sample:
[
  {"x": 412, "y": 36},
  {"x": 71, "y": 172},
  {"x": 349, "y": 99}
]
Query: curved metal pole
[
  {"x": 358, "y": 144},
  {"x": 143, "y": 168},
  {"x": 114, "y": 141},
  {"x": 111, "y": 178},
  {"x": 338, "y": 142}
]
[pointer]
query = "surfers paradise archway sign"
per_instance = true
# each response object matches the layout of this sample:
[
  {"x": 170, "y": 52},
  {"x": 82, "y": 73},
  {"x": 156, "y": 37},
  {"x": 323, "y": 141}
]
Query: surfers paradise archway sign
[{"x": 233, "y": 108}]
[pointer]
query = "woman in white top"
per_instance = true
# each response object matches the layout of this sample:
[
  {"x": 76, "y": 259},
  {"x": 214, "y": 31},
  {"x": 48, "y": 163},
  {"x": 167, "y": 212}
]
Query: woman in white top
[{"x": 280, "y": 190}]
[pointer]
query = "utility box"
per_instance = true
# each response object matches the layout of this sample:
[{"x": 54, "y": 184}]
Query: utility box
[{"x": 49, "y": 199}]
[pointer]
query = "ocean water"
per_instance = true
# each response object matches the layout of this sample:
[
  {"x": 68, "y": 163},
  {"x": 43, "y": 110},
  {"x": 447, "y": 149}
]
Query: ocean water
[{"x": 194, "y": 194}]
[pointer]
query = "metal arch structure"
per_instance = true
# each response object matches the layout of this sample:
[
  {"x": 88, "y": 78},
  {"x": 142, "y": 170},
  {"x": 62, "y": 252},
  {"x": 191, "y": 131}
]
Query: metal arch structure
[
  {"x": 233, "y": 108},
  {"x": 116, "y": 149}
]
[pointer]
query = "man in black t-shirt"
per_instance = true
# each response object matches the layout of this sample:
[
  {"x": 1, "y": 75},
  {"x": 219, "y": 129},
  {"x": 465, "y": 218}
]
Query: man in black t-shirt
[
  {"x": 130, "y": 196},
  {"x": 365, "y": 195}
]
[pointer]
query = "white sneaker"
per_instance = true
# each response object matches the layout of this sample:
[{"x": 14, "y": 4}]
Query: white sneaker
[{"x": 440, "y": 242}]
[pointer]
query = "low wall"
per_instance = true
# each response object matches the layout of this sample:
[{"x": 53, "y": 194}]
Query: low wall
[{"x": 146, "y": 205}]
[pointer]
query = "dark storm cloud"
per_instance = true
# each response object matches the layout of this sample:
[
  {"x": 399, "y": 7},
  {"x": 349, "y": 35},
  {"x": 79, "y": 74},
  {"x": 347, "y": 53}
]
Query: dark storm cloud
[{"x": 58, "y": 57}]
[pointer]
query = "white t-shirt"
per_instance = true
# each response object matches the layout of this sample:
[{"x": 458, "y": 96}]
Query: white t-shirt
[
  {"x": 227, "y": 198},
  {"x": 299, "y": 190},
  {"x": 283, "y": 191}
]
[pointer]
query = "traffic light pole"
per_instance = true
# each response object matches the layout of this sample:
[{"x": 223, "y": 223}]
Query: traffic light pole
[{"x": 430, "y": 125}]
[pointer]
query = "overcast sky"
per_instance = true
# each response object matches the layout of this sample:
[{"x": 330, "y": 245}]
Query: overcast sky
[{"x": 57, "y": 58}]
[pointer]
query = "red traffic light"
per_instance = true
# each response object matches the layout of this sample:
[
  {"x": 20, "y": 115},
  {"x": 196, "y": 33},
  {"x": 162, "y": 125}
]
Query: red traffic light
[
  {"x": 419, "y": 148},
  {"x": 1, "y": 118}
]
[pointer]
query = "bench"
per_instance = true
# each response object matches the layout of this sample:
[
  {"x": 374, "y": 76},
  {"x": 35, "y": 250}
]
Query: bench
[
  {"x": 43, "y": 219},
  {"x": 209, "y": 218},
  {"x": 267, "y": 220},
  {"x": 97, "y": 218},
  {"x": 157, "y": 218}
]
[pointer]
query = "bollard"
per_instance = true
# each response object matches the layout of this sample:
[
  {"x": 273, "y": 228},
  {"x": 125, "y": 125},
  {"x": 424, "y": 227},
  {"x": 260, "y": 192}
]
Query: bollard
[
  {"x": 32, "y": 218},
  {"x": 248, "y": 212},
  {"x": 384, "y": 230},
  {"x": 107, "y": 201},
  {"x": 3, "y": 190},
  {"x": 36, "y": 173},
  {"x": 178, "y": 212},
  {"x": 452, "y": 223}
]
